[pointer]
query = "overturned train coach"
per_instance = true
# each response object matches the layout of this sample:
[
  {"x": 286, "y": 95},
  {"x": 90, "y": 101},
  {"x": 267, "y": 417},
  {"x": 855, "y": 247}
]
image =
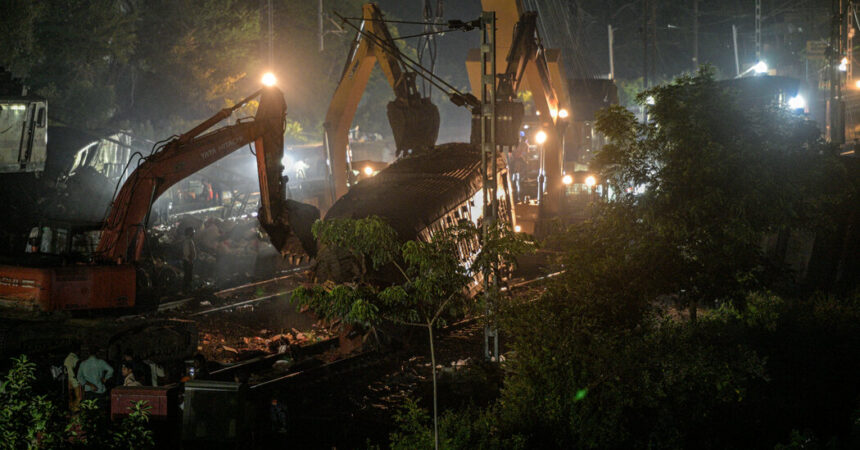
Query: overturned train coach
[{"x": 420, "y": 193}]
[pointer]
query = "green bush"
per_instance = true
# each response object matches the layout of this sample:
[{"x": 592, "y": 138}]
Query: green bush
[{"x": 31, "y": 421}]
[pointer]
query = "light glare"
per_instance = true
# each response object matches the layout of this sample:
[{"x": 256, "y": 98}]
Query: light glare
[
  {"x": 797, "y": 102},
  {"x": 567, "y": 179},
  {"x": 562, "y": 113},
  {"x": 590, "y": 181},
  {"x": 368, "y": 170},
  {"x": 760, "y": 67},
  {"x": 540, "y": 137},
  {"x": 269, "y": 79}
]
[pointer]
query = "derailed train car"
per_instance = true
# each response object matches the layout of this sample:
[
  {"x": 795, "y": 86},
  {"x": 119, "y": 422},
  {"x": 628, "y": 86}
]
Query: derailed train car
[{"x": 419, "y": 194}]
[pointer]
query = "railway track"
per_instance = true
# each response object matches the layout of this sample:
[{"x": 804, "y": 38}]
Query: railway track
[
  {"x": 319, "y": 372},
  {"x": 236, "y": 291}
]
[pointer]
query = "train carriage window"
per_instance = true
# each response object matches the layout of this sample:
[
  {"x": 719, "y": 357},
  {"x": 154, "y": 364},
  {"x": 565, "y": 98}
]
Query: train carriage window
[{"x": 41, "y": 118}]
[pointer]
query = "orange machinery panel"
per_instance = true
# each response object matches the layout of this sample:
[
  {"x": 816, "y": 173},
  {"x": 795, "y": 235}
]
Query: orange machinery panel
[{"x": 67, "y": 288}]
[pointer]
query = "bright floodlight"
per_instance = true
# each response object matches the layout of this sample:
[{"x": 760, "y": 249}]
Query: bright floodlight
[
  {"x": 650, "y": 100},
  {"x": 797, "y": 102},
  {"x": 760, "y": 67},
  {"x": 287, "y": 162},
  {"x": 590, "y": 181},
  {"x": 269, "y": 79},
  {"x": 843, "y": 65},
  {"x": 857, "y": 84},
  {"x": 368, "y": 170},
  {"x": 517, "y": 228},
  {"x": 562, "y": 113},
  {"x": 540, "y": 137},
  {"x": 567, "y": 179}
]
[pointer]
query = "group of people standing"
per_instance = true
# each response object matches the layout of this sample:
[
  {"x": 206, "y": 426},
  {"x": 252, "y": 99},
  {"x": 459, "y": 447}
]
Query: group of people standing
[{"x": 89, "y": 376}]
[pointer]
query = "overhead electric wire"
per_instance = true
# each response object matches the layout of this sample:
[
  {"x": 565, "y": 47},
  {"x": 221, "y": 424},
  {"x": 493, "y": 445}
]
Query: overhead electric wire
[
  {"x": 386, "y": 20},
  {"x": 423, "y": 72},
  {"x": 429, "y": 33}
]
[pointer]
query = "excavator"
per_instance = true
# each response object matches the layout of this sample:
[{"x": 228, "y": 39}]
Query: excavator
[
  {"x": 414, "y": 119},
  {"x": 527, "y": 62},
  {"x": 108, "y": 279}
]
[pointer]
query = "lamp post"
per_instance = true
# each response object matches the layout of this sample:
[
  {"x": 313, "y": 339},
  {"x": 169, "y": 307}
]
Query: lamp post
[{"x": 540, "y": 138}]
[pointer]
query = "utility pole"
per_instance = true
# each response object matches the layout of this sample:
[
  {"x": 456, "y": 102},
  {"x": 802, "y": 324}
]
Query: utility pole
[
  {"x": 735, "y": 41},
  {"x": 320, "y": 25},
  {"x": 653, "y": 40},
  {"x": 489, "y": 170},
  {"x": 757, "y": 31},
  {"x": 271, "y": 37},
  {"x": 835, "y": 104},
  {"x": 611, "y": 56},
  {"x": 645, "y": 43},
  {"x": 695, "y": 35}
]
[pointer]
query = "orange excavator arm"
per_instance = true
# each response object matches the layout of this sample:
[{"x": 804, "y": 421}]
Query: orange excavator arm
[
  {"x": 414, "y": 119},
  {"x": 123, "y": 232}
]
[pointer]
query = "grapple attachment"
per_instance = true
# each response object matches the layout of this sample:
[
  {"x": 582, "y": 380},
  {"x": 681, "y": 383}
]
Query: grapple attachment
[
  {"x": 414, "y": 123},
  {"x": 290, "y": 230}
]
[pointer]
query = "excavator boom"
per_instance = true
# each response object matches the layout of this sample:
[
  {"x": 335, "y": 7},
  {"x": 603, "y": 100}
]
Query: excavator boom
[
  {"x": 122, "y": 236},
  {"x": 414, "y": 119}
]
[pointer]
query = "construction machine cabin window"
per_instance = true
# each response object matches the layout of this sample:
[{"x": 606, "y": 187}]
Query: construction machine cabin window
[{"x": 12, "y": 119}]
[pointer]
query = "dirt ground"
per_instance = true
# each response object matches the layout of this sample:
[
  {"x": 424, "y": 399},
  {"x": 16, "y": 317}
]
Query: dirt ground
[{"x": 256, "y": 329}]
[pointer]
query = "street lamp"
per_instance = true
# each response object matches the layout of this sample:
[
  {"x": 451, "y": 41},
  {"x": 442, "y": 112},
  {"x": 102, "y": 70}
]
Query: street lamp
[
  {"x": 368, "y": 170},
  {"x": 590, "y": 181},
  {"x": 269, "y": 79},
  {"x": 567, "y": 180},
  {"x": 540, "y": 137},
  {"x": 562, "y": 113}
]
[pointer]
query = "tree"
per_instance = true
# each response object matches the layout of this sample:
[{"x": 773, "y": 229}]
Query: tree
[
  {"x": 708, "y": 175},
  {"x": 433, "y": 279}
]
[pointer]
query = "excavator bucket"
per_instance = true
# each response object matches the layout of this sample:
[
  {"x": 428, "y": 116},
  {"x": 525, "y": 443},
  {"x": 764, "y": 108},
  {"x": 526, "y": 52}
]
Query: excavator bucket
[
  {"x": 290, "y": 231},
  {"x": 415, "y": 123}
]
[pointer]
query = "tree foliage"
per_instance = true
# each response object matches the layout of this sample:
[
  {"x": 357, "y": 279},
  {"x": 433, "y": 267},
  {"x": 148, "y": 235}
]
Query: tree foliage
[
  {"x": 435, "y": 276},
  {"x": 155, "y": 67},
  {"x": 32, "y": 421},
  {"x": 603, "y": 359},
  {"x": 709, "y": 174}
]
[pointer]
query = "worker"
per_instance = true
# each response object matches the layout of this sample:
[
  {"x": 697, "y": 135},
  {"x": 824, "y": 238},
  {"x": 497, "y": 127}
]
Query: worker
[
  {"x": 71, "y": 367},
  {"x": 93, "y": 372},
  {"x": 518, "y": 167},
  {"x": 128, "y": 375},
  {"x": 189, "y": 254},
  {"x": 140, "y": 369},
  {"x": 278, "y": 416}
]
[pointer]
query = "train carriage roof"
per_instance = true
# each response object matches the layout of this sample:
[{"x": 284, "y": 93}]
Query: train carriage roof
[{"x": 415, "y": 190}]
